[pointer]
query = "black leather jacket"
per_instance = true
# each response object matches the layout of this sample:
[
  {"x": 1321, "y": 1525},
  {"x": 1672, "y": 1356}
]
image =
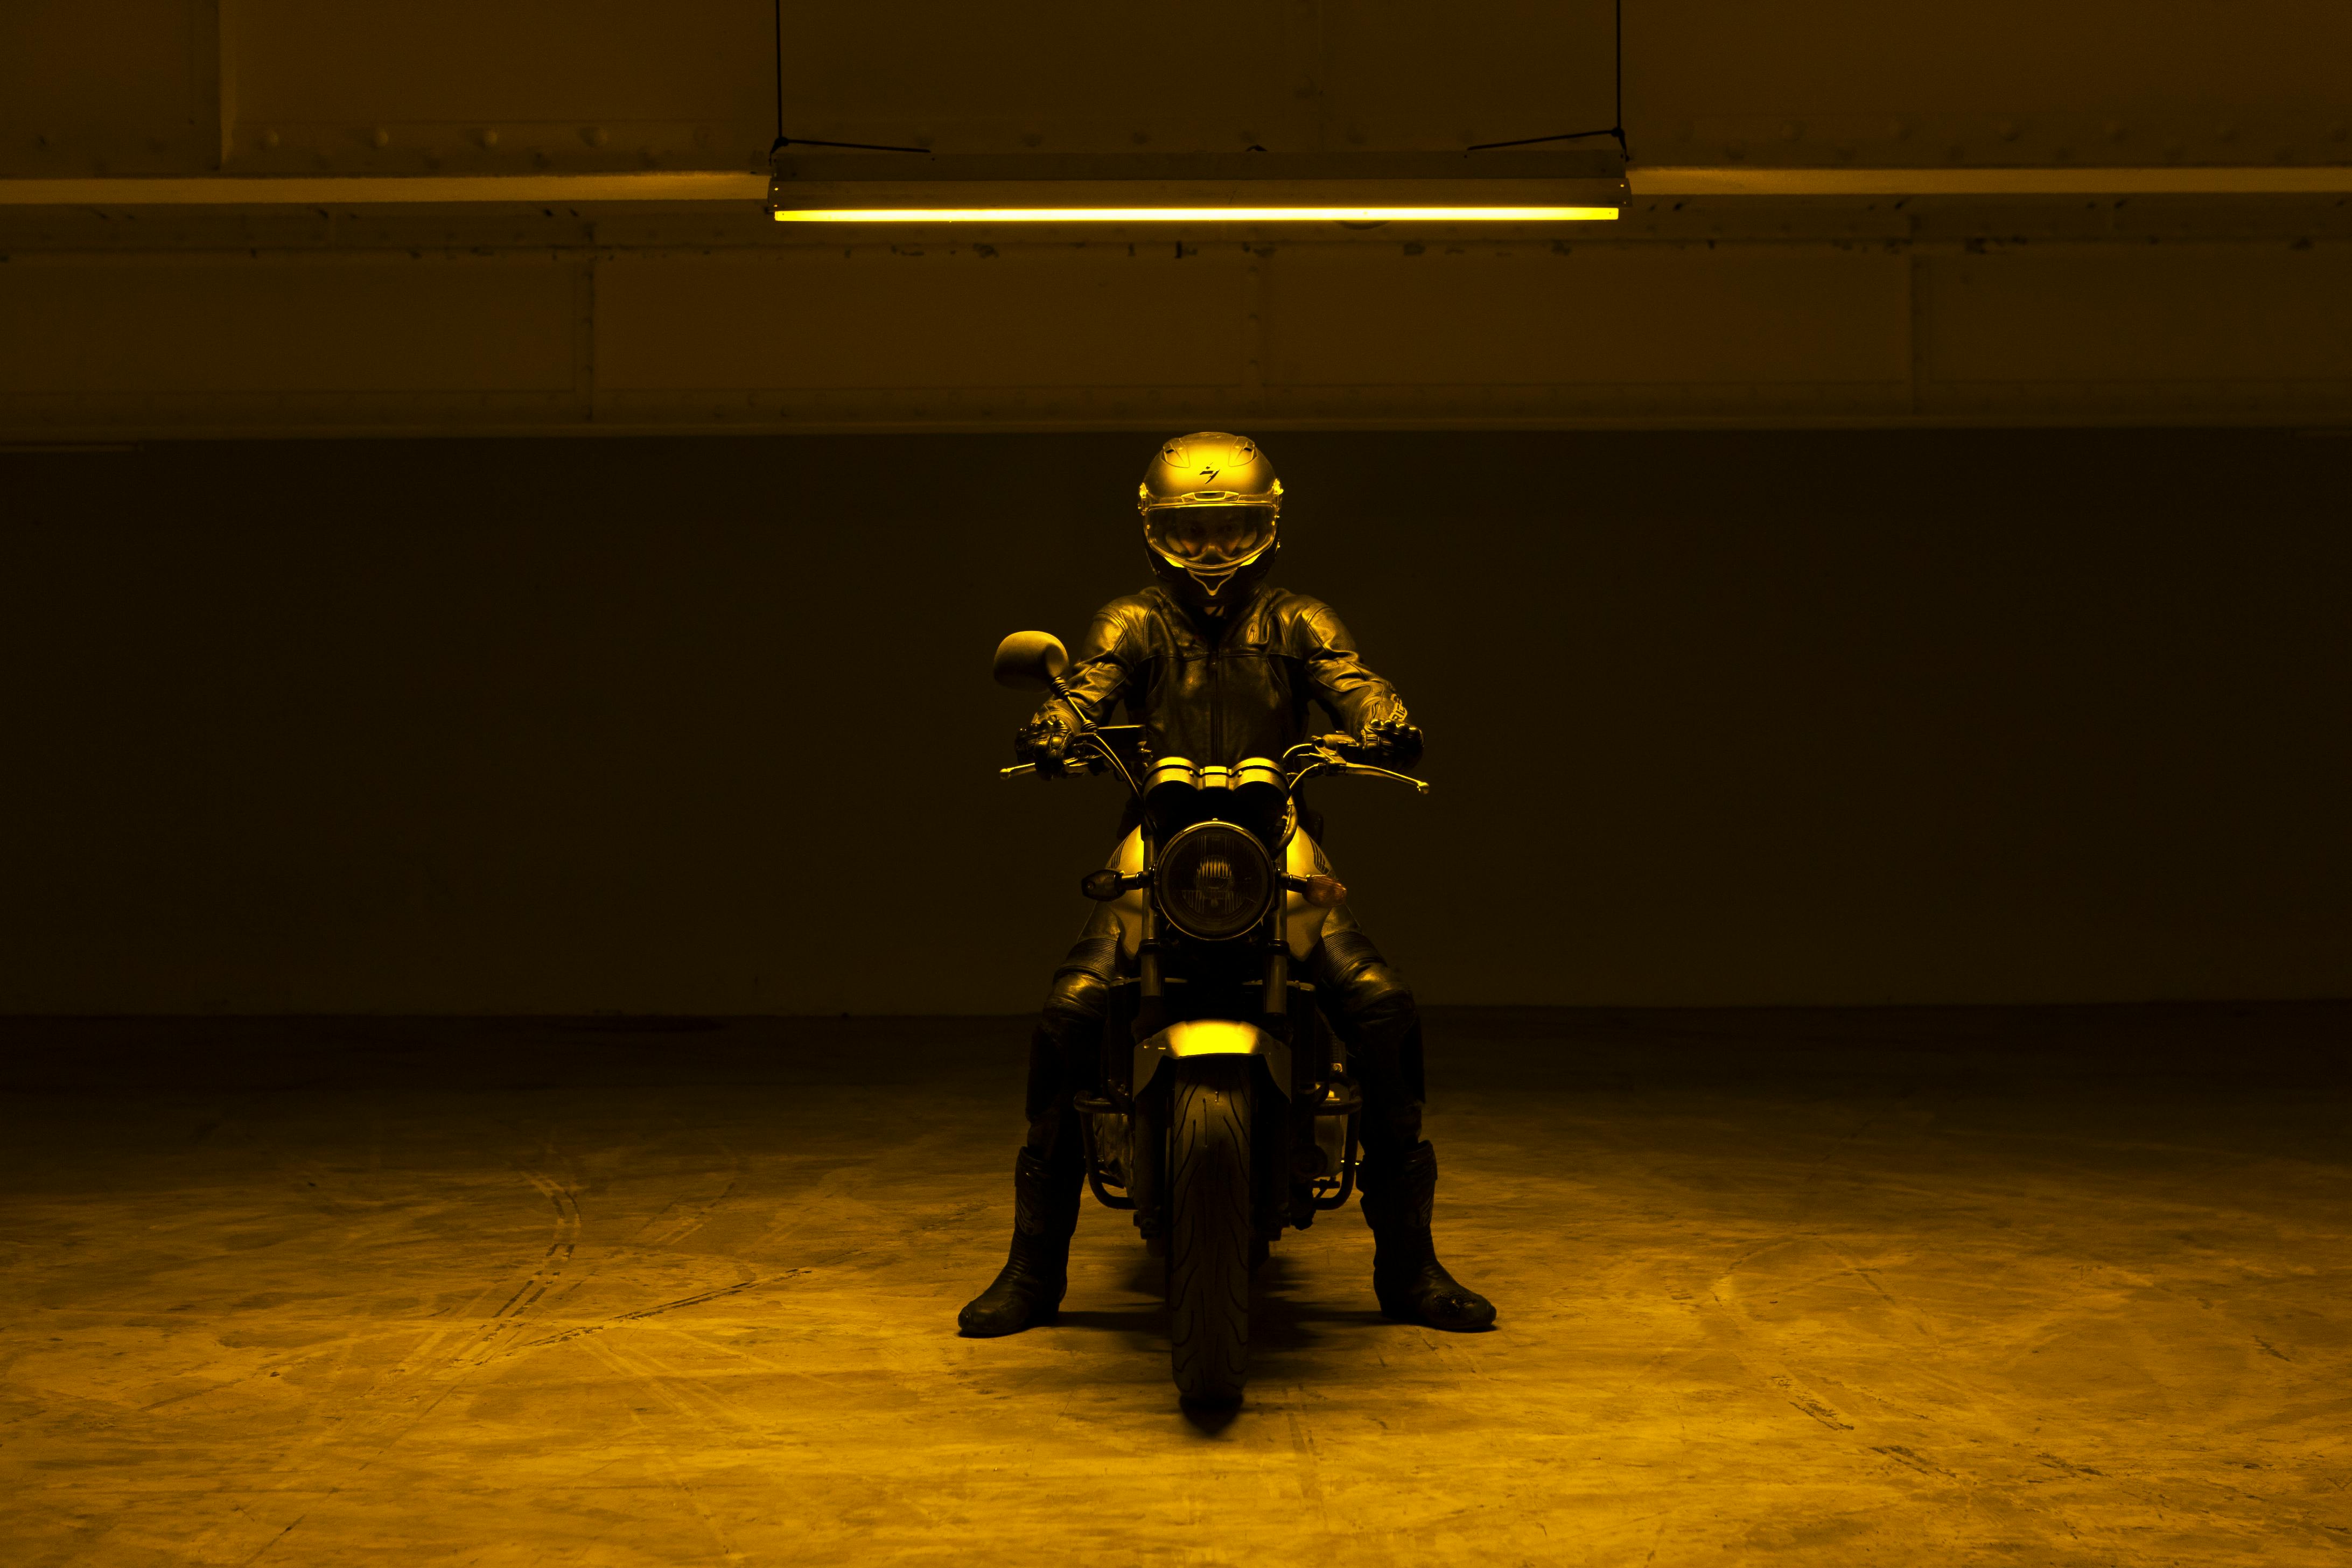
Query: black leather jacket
[{"x": 1219, "y": 699}]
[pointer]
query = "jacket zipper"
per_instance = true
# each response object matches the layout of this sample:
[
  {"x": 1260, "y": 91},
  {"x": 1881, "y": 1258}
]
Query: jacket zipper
[{"x": 1216, "y": 705}]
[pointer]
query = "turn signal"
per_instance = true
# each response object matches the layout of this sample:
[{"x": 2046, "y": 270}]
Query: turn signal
[{"x": 1324, "y": 892}]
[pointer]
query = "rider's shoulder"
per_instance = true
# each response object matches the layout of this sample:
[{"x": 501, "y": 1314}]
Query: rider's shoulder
[
  {"x": 1129, "y": 608},
  {"x": 1130, "y": 616},
  {"x": 1290, "y": 604},
  {"x": 1300, "y": 616}
]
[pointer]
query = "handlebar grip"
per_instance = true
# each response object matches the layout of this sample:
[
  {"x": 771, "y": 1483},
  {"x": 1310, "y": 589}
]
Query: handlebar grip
[{"x": 1016, "y": 770}]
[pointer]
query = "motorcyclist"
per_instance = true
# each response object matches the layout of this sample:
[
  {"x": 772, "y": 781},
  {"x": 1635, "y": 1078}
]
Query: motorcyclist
[{"x": 1217, "y": 667}]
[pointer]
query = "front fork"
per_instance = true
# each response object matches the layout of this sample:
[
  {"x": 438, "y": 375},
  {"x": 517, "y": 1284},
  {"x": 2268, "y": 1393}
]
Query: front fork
[
  {"x": 1317, "y": 1178},
  {"x": 1299, "y": 1171}
]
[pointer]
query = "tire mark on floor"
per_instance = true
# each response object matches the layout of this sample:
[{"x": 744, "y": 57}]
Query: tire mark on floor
[
  {"x": 672, "y": 1387},
  {"x": 679, "y": 1220},
  {"x": 617, "y": 1319},
  {"x": 389, "y": 1406},
  {"x": 703, "y": 1412},
  {"x": 512, "y": 1314}
]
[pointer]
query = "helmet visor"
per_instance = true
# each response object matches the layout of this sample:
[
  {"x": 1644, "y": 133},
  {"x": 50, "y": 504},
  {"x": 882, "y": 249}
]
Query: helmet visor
[{"x": 1209, "y": 538}]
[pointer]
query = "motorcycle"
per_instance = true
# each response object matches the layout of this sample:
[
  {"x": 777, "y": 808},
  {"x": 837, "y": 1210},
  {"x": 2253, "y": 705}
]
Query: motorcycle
[{"x": 1222, "y": 1112}]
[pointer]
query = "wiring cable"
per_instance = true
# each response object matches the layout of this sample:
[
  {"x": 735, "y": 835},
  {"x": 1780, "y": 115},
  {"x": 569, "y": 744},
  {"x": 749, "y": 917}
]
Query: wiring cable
[
  {"x": 782, "y": 140},
  {"x": 1615, "y": 131}
]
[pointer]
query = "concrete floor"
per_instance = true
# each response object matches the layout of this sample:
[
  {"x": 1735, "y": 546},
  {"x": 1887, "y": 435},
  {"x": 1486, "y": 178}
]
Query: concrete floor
[{"x": 2064, "y": 1287}]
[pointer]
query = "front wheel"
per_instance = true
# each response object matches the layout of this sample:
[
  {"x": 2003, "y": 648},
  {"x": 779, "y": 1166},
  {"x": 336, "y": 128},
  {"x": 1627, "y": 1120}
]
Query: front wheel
[{"x": 1209, "y": 1227}]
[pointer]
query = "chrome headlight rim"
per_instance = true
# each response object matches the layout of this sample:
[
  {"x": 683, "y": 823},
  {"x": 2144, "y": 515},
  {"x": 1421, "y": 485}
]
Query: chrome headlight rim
[{"x": 1172, "y": 858}]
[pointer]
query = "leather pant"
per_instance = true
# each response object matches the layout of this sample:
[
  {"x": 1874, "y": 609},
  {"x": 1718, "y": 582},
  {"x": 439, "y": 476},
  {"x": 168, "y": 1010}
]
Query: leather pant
[{"x": 1367, "y": 1003}]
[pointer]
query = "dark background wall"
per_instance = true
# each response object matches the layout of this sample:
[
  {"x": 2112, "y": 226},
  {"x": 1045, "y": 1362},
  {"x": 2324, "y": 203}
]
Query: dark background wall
[{"x": 704, "y": 724}]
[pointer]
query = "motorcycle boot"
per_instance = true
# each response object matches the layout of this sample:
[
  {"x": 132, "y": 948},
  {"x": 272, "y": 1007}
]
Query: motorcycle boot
[
  {"x": 1374, "y": 1012},
  {"x": 1049, "y": 1174},
  {"x": 1407, "y": 1278},
  {"x": 1028, "y": 1290}
]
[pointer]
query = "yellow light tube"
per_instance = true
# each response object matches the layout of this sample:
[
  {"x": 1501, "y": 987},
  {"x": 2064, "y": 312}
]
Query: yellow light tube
[{"x": 1193, "y": 215}]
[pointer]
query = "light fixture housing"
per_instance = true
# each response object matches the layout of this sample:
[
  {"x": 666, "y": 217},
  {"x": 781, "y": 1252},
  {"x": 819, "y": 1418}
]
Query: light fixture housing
[{"x": 1255, "y": 188}]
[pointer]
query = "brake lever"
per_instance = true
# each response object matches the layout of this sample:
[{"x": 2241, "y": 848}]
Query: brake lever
[
  {"x": 1071, "y": 768},
  {"x": 1341, "y": 751},
  {"x": 1419, "y": 787}
]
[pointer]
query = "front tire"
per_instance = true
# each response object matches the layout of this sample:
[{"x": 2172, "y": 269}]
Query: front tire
[{"x": 1209, "y": 1229}]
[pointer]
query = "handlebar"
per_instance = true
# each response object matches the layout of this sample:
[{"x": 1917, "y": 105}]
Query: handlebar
[
  {"x": 1092, "y": 735},
  {"x": 1324, "y": 754},
  {"x": 1347, "y": 754},
  {"x": 1343, "y": 746}
]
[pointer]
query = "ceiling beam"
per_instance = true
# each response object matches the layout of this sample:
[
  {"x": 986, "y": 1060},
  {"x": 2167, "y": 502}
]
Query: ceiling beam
[
  {"x": 721, "y": 186},
  {"x": 2269, "y": 179},
  {"x": 424, "y": 190}
]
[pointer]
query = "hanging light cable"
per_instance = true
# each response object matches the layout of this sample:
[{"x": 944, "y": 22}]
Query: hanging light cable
[
  {"x": 919, "y": 186},
  {"x": 1615, "y": 129}
]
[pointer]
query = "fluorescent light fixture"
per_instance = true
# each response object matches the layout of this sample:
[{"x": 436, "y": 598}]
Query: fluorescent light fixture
[
  {"x": 1193, "y": 215},
  {"x": 910, "y": 188}
]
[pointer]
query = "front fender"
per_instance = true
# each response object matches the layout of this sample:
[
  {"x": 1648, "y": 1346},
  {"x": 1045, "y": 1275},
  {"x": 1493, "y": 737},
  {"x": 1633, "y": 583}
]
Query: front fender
[{"x": 1212, "y": 1037}]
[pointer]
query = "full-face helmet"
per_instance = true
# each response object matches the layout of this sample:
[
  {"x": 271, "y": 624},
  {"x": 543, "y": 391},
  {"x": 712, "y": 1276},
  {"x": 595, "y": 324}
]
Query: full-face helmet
[{"x": 1209, "y": 504}]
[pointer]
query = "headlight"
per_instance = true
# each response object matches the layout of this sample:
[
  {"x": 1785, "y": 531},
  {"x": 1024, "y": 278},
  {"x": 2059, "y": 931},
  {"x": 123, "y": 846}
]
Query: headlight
[{"x": 1213, "y": 881}]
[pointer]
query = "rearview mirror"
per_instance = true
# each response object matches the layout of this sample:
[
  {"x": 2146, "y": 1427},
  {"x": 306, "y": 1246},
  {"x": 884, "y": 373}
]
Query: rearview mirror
[{"x": 1030, "y": 661}]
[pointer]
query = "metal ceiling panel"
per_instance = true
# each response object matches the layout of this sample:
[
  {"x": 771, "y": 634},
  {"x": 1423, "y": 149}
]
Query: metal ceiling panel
[
  {"x": 1831, "y": 82},
  {"x": 445, "y": 86},
  {"x": 109, "y": 87},
  {"x": 1208, "y": 76}
]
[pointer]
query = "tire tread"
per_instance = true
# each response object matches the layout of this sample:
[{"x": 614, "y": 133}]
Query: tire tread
[{"x": 1208, "y": 1233}]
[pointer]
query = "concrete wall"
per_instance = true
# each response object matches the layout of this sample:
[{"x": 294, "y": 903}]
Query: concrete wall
[
  {"x": 703, "y": 724},
  {"x": 1733, "y": 311}
]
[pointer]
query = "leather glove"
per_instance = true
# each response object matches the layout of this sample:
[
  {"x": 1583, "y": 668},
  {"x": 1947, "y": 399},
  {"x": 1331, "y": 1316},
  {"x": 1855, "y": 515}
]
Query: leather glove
[
  {"x": 1046, "y": 740},
  {"x": 1390, "y": 742}
]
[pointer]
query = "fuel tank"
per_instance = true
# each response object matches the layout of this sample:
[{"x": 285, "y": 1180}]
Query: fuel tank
[{"x": 1303, "y": 924}]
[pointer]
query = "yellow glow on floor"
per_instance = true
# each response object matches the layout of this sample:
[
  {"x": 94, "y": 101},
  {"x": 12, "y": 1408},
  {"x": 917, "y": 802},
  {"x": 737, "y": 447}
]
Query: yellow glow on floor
[{"x": 1780, "y": 1289}]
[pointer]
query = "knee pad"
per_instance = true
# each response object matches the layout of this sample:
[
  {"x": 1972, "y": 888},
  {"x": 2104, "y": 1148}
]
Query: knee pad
[
  {"x": 1373, "y": 1010},
  {"x": 1081, "y": 988},
  {"x": 1063, "y": 1050},
  {"x": 1366, "y": 993}
]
